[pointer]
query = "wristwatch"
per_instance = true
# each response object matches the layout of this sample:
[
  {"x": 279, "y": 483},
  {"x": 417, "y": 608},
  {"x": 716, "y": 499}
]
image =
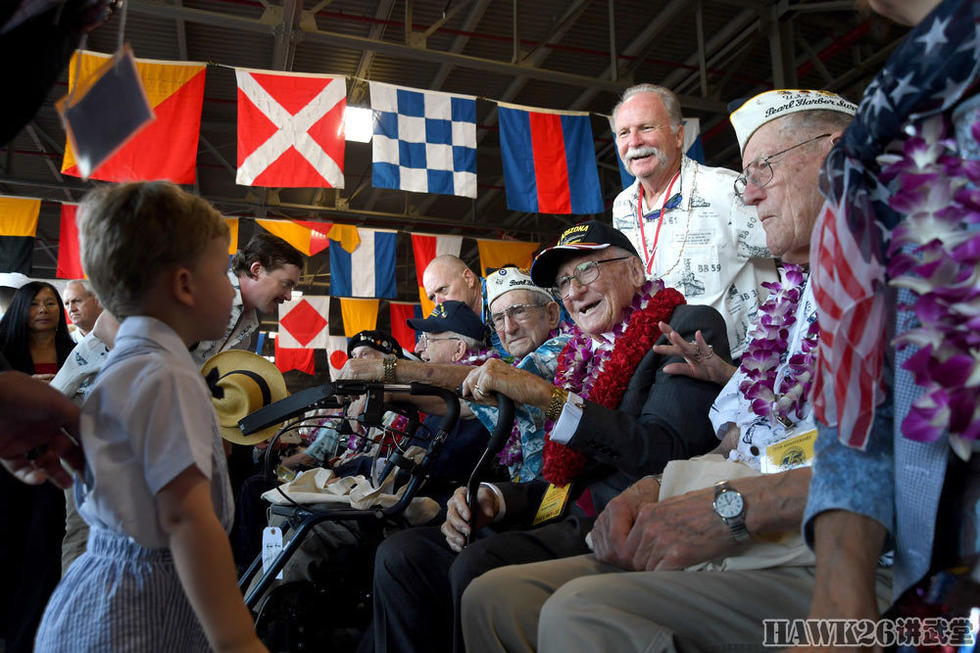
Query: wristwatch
[{"x": 730, "y": 506}]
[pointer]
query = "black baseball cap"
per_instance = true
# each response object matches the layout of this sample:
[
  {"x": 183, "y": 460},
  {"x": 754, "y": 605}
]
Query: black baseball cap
[
  {"x": 377, "y": 340},
  {"x": 575, "y": 241},
  {"x": 452, "y": 316}
]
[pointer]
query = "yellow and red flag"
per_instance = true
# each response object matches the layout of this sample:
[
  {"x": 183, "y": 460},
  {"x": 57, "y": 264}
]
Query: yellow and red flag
[
  {"x": 312, "y": 237},
  {"x": 167, "y": 147}
]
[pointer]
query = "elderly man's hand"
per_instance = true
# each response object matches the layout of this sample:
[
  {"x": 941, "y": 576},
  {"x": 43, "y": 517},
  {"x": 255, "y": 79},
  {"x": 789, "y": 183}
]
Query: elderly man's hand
[
  {"x": 700, "y": 361},
  {"x": 457, "y": 524},
  {"x": 675, "y": 533},
  {"x": 613, "y": 525},
  {"x": 354, "y": 410},
  {"x": 497, "y": 376},
  {"x": 362, "y": 369},
  {"x": 32, "y": 445}
]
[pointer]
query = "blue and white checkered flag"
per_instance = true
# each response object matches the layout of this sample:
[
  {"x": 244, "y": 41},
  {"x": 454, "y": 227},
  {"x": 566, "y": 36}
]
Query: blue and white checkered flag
[{"x": 424, "y": 141}]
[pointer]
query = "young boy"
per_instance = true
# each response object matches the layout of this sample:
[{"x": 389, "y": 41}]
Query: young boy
[{"x": 158, "y": 573}]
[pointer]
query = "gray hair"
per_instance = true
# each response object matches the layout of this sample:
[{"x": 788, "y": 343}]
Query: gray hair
[
  {"x": 86, "y": 286},
  {"x": 472, "y": 344},
  {"x": 671, "y": 103}
]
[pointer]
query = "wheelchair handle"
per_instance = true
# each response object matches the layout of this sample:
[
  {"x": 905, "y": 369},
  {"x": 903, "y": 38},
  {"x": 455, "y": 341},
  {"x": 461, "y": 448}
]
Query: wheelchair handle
[{"x": 501, "y": 432}]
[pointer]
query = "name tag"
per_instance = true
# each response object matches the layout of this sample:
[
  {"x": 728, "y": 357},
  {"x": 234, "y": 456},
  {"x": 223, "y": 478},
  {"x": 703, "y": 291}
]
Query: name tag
[
  {"x": 553, "y": 503},
  {"x": 271, "y": 547},
  {"x": 795, "y": 451}
]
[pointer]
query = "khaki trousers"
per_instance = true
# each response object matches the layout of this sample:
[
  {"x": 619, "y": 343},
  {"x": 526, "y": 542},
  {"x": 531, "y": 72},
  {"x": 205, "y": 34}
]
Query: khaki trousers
[{"x": 579, "y": 604}]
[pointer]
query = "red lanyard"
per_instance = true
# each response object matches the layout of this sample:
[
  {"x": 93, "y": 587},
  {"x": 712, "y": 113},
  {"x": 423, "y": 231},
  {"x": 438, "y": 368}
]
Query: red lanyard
[{"x": 660, "y": 220}]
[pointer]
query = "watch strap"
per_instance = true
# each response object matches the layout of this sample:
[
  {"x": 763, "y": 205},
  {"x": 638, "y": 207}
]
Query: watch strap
[
  {"x": 735, "y": 524},
  {"x": 558, "y": 398},
  {"x": 389, "y": 369}
]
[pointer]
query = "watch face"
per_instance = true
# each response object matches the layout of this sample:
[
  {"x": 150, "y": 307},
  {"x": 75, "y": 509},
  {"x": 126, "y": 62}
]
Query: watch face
[{"x": 728, "y": 504}]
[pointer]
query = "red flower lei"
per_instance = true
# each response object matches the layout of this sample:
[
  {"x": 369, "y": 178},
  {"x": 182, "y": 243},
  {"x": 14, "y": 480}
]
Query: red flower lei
[{"x": 562, "y": 464}]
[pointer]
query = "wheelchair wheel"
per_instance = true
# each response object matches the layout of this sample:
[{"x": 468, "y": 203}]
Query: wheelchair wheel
[{"x": 298, "y": 616}]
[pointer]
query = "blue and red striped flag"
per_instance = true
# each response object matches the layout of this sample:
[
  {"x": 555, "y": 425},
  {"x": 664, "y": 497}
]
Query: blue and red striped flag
[{"x": 549, "y": 161}]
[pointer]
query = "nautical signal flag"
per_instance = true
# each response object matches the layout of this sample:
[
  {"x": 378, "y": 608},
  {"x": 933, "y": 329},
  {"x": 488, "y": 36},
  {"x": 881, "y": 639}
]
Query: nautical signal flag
[
  {"x": 18, "y": 228},
  {"x": 359, "y": 315},
  {"x": 295, "y": 359},
  {"x": 401, "y": 312},
  {"x": 426, "y": 247},
  {"x": 500, "y": 253},
  {"x": 311, "y": 237},
  {"x": 424, "y": 141},
  {"x": 69, "y": 252},
  {"x": 233, "y": 232},
  {"x": 368, "y": 270},
  {"x": 290, "y": 129},
  {"x": 167, "y": 147},
  {"x": 336, "y": 354},
  {"x": 549, "y": 161},
  {"x": 304, "y": 322}
]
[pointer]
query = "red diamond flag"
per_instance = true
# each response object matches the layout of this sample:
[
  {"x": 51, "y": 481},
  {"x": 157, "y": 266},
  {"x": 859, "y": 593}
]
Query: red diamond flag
[
  {"x": 304, "y": 322},
  {"x": 290, "y": 129}
]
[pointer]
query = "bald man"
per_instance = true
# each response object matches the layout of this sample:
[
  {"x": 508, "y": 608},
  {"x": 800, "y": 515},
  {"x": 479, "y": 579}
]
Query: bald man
[{"x": 447, "y": 277}]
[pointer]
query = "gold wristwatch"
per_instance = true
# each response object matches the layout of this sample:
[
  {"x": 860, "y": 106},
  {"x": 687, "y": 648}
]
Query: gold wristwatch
[{"x": 558, "y": 398}]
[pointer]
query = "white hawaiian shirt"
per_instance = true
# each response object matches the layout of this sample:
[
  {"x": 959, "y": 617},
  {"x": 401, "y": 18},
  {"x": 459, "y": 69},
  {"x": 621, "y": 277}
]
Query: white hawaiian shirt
[{"x": 711, "y": 247}]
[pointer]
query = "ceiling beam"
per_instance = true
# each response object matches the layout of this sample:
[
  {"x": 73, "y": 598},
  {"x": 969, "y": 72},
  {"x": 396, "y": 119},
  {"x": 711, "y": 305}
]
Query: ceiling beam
[{"x": 360, "y": 43}]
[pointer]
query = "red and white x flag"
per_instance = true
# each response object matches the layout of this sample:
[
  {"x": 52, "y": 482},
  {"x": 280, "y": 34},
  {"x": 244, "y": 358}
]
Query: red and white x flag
[{"x": 290, "y": 129}]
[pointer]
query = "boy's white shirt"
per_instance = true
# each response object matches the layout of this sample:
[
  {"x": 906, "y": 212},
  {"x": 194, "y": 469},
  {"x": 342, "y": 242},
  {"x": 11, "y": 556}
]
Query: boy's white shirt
[{"x": 148, "y": 417}]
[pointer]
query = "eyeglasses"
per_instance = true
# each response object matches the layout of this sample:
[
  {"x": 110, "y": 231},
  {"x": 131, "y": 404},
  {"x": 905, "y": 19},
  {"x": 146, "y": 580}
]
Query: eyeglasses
[
  {"x": 760, "y": 172},
  {"x": 425, "y": 340},
  {"x": 515, "y": 312},
  {"x": 585, "y": 273}
]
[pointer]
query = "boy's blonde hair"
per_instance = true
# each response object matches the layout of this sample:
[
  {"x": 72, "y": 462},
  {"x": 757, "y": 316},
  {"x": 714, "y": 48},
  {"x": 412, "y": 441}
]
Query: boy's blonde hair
[{"x": 132, "y": 232}]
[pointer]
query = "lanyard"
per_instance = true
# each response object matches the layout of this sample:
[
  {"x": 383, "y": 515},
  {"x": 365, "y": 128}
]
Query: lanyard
[{"x": 660, "y": 220}]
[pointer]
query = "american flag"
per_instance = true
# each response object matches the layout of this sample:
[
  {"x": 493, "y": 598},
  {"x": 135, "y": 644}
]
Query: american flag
[{"x": 935, "y": 67}]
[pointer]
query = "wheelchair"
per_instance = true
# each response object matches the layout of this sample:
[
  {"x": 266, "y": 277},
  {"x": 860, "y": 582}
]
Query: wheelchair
[{"x": 332, "y": 610}]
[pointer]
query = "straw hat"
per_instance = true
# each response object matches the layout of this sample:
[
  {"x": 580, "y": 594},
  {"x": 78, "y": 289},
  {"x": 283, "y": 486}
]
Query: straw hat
[{"x": 248, "y": 382}]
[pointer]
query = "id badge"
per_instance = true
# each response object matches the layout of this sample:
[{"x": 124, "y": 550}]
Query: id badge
[
  {"x": 796, "y": 450},
  {"x": 553, "y": 504}
]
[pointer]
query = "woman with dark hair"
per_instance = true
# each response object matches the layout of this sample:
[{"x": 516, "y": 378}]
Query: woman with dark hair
[
  {"x": 34, "y": 333},
  {"x": 34, "y": 339}
]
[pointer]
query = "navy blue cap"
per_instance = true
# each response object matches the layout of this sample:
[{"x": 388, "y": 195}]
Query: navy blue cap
[
  {"x": 452, "y": 316},
  {"x": 377, "y": 340},
  {"x": 576, "y": 241}
]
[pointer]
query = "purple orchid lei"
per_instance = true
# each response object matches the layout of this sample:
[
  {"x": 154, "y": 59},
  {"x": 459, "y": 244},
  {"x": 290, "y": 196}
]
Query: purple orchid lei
[
  {"x": 585, "y": 365},
  {"x": 513, "y": 452},
  {"x": 480, "y": 357},
  {"x": 770, "y": 338},
  {"x": 935, "y": 253}
]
